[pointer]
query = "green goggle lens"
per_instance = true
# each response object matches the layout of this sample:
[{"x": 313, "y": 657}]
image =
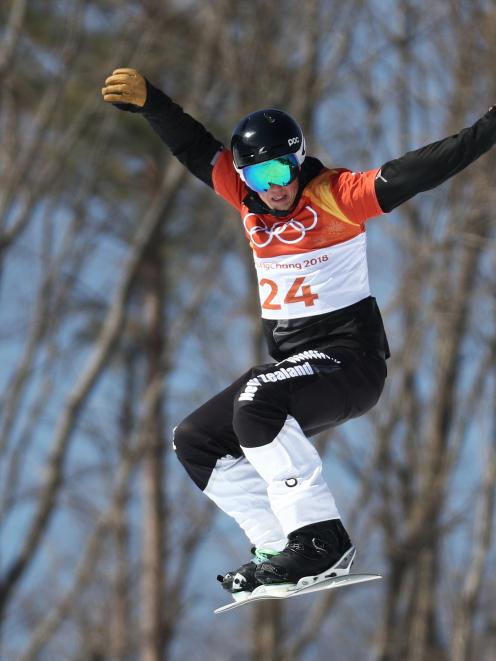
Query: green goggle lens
[{"x": 280, "y": 171}]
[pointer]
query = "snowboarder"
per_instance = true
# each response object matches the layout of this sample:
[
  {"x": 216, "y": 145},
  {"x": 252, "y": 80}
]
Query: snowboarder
[{"x": 247, "y": 448}]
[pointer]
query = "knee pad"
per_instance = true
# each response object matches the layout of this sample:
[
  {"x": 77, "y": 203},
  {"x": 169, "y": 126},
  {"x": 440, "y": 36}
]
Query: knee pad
[{"x": 194, "y": 452}]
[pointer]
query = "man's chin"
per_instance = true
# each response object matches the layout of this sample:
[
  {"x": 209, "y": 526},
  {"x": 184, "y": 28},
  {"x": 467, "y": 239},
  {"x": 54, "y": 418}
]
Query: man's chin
[
  {"x": 279, "y": 202},
  {"x": 281, "y": 205}
]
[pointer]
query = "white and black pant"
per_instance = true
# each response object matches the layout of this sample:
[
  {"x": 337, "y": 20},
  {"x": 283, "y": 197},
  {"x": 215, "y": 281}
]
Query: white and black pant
[{"x": 247, "y": 448}]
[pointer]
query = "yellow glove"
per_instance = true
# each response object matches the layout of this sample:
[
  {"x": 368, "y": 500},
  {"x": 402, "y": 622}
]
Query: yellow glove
[{"x": 125, "y": 86}]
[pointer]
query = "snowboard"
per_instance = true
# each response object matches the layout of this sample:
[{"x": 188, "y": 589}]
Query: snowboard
[{"x": 304, "y": 586}]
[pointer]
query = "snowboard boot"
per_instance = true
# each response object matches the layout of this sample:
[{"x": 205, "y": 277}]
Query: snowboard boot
[
  {"x": 311, "y": 550},
  {"x": 243, "y": 579}
]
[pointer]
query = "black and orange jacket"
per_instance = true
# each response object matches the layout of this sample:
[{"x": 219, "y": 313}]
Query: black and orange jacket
[{"x": 311, "y": 263}]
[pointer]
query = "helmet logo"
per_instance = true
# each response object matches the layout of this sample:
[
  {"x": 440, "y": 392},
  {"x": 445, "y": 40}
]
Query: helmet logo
[{"x": 293, "y": 141}]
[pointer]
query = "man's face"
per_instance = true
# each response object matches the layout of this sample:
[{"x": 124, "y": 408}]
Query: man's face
[{"x": 280, "y": 198}]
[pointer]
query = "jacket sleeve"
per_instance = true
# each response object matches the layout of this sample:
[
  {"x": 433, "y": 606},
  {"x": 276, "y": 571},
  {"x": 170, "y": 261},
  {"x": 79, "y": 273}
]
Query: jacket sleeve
[
  {"x": 425, "y": 168},
  {"x": 188, "y": 140},
  {"x": 355, "y": 194},
  {"x": 226, "y": 181}
]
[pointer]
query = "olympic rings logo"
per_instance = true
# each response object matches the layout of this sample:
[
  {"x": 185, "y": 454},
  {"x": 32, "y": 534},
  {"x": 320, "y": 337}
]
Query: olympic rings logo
[{"x": 262, "y": 235}]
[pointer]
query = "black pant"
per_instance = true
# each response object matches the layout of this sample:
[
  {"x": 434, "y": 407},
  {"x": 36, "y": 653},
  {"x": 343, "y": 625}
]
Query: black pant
[{"x": 320, "y": 389}]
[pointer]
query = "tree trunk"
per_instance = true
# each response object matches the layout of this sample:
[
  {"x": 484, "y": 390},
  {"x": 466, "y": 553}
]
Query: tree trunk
[
  {"x": 121, "y": 612},
  {"x": 153, "y": 578}
]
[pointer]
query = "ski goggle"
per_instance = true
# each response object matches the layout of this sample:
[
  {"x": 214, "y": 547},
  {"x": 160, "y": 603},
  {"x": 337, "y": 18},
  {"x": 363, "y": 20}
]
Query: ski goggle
[{"x": 280, "y": 171}]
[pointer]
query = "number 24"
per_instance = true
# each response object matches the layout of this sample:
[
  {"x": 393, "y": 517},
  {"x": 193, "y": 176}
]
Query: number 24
[{"x": 306, "y": 296}]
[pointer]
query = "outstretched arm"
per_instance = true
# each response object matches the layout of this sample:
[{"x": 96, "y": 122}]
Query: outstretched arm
[
  {"x": 420, "y": 170},
  {"x": 188, "y": 140}
]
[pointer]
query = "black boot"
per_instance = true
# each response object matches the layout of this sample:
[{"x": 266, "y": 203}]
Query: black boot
[
  {"x": 243, "y": 579},
  {"x": 310, "y": 550}
]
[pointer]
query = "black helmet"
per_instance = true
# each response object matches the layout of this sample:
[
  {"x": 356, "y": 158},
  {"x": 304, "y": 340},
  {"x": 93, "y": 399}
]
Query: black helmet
[{"x": 266, "y": 134}]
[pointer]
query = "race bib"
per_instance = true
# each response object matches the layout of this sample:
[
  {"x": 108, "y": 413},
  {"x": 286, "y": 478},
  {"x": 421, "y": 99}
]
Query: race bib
[{"x": 313, "y": 282}]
